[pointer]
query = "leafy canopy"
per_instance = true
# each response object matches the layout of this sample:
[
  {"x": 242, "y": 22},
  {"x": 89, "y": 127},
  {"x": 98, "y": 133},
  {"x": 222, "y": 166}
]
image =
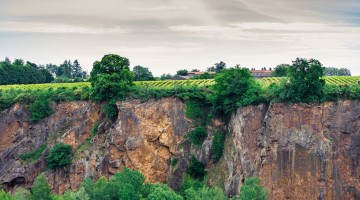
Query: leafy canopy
[
  {"x": 60, "y": 156},
  {"x": 234, "y": 87}
]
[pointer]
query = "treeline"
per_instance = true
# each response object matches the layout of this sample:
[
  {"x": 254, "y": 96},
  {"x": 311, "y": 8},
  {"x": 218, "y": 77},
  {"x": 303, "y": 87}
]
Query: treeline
[
  {"x": 130, "y": 185},
  {"x": 282, "y": 70},
  {"x": 20, "y": 72}
]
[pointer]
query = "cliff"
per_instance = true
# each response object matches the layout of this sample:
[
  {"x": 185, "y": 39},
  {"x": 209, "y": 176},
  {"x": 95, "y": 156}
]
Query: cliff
[{"x": 299, "y": 151}]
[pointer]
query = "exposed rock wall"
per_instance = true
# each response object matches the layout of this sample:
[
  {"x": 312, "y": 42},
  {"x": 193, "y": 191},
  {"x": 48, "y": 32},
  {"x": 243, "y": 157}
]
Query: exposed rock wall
[
  {"x": 298, "y": 151},
  {"x": 144, "y": 137}
]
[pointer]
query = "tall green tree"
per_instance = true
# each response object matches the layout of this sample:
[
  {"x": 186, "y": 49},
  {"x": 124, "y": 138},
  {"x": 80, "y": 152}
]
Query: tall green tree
[
  {"x": 219, "y": 66},
  {"x": 111, "y": 78},
  {"x": 233, "y": 88},
  {"x": 305, "y": 81},
  {"x": 142, "y": 74},
  {"x": 76, "y": 70},
  {"x": 40, "y": 189}
]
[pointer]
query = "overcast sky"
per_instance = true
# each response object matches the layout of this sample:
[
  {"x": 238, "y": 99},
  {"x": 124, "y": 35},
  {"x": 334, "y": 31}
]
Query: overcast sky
[{"x": 168, "y": 35}]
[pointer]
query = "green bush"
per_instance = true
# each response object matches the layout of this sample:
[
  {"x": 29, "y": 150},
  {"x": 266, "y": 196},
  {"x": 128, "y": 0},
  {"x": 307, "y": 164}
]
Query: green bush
[
  {"x": 189, "y": 182},
  {"x": 60, "y": 156},
  {"x": 196, "y": 169},
  {"x": 217, "y": 147},
  {"x": 198, "y": 135},
  {"x": 205, "y": 193},
  {"x": 251, "y": 189},
  {"x": 40, "y": 108},
  {"x": 33, "y": 155}
]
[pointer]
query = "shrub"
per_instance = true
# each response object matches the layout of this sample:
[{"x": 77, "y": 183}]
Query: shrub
[
  {"x": 198, "y": 135},
  {"x": 60, "y": 156},
  {"x": 95, "y": 128},
  {"x": 163, "y": 192},
  {"x": 205, "y": 193},
  {"x": 40, "y": 108},
  {"x": 217, "y": 147},
  {"x": 33, "y": 155},
  {"x": 251, "y": 189},
  {"x": 196, "y": 169}
]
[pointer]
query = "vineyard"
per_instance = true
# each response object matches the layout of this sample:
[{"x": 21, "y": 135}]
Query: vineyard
[{"x": 168, "y": 84}]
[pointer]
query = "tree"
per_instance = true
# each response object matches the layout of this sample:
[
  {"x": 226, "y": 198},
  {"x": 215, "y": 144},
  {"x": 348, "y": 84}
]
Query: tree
[
  {"x": 182, "y": 72},
  {"x": 219, "y": 66},
  {"x": 195, "y": 70},
  {"x": 21, "y": 194},
  {"x": 233, "y": 88},
  {"x": 163, "y": 192},
  {"x": 251, "y": 190},
  {"x": 76, "y": 70},
  {"x": 40, "y": 189},
  {"x": 305, "y": 81},
  {"x": 111, "y": 78},
  {"x": 142, "y": 74},
  {"x": 281, "y": 70},
  {"x": 5, "y": 196},
  {"x": 60, "y": 155}
]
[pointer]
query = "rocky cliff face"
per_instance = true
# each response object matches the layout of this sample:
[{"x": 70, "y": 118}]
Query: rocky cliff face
[
  {"x": 144, "y": 137},
  {"x": 299, "y": 151}
]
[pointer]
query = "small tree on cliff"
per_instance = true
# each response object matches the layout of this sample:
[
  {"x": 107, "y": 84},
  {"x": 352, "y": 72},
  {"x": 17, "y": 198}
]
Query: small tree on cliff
[
  {"x": 60, "y": 156},
  {"x": 251, "y": 190}
]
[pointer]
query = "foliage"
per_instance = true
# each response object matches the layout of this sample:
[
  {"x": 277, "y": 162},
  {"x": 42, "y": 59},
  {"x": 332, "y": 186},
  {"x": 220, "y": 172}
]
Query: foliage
[
  {"x": 196, "y": 169},
  {"x": 110, "y": 109},
  {"x": 166, "y": 77},
  {"x": 33, "y": 155},
  {"x": 188, "y": 183},
  {"x": 60, "y": 155},
  {"x": 205, "y": 75},
  {"x": 304, "y": 83},
  {"x": 251, "y": 190},
  {"x": 219, "y": 66},
  {"x": 5, "y": 196},
  {"x": 205, "y": 193},
  {"x": 194, "y": 109},
  {"x": 21, "y": 194},
  {"x": 111, "y": 78},
  {"x": 41, "y": 108},
  {"x": 217, "y": 147},
  {"x": 234, "y": 87},
  {"x": 332, "y": 71},
  {"x": 281, "y": 70},
  {"x": 40, "y": 189},
  {"x": 94, "y": 128},
  {"x": 20, "y": 73},
  {"x": 142, "y": 74},
  {"x": 336, "y": 92},
  {"x": 198, "y": 135},
  {"x": 182, "y": 72},
  {"x": 163, "y": 192}
]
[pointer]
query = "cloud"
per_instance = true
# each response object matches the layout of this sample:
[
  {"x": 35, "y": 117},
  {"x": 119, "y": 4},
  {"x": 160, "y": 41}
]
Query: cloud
[{"x": 33, "y": 27}]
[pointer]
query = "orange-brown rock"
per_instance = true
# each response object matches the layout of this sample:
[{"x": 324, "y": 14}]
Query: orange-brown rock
[
  {"x": 144, "y": 137},
  {"x": 299, "y": 151}
]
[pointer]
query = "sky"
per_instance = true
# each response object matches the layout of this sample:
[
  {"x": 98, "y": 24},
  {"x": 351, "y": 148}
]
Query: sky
[{"x": 168, "y": 35}]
